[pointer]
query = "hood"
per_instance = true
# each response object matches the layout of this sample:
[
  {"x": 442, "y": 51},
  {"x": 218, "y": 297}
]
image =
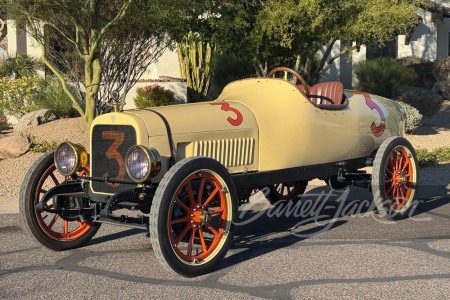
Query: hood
[{"x": 197, "y": 117}]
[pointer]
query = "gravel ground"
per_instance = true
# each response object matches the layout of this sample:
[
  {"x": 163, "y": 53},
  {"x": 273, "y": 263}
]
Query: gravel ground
[
  {"x": 434, "y": 132},
  {"x": 13, "y": 170}
]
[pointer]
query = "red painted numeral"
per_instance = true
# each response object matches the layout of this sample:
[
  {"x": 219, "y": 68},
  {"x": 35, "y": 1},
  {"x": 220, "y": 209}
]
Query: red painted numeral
[
  {"x": 112, "y": 152},
  {"x": 376, "y": 130},
  {"x": 233, "y": 121}
]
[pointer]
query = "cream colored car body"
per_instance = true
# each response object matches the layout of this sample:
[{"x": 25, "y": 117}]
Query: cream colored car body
[{"x": 264, "y": 124}]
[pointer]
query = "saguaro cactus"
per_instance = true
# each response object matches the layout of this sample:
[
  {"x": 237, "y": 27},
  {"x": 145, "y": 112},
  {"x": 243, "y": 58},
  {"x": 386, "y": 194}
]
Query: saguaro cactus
[{"x": 194, "y": 57}]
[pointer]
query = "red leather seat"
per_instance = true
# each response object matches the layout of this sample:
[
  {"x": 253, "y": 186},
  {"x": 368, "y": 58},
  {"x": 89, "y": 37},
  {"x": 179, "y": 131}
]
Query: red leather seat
[{"x": 327, "y": 93}]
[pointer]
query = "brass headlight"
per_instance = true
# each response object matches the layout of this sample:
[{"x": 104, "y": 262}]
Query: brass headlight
[
  {"x": 69, "y": 158},
  {"x": 142, "y": 163}
]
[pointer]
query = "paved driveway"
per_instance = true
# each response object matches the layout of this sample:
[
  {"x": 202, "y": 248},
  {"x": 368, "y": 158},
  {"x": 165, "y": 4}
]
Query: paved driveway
[{"x": 331, "y": 245}]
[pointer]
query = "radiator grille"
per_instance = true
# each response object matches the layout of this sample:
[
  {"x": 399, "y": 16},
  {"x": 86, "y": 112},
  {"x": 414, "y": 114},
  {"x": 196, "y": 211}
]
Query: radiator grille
[
  {"x": 109, "y": 145},
  {"x": 229, "y": 152}
]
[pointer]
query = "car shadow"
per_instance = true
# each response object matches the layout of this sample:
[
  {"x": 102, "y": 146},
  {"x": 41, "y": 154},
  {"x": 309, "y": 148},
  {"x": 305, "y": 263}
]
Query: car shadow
[
  {"x": 114, "y": 236},
  {"x": 263, "y": 228},
  {"x": 251, "y": 243},
  {"x": 286, "y": 223},
  {"x": 262, "y": 231}
]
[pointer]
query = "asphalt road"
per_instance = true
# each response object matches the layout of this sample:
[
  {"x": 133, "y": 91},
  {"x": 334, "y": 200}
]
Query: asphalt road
[{"x": 332, "y": 247}]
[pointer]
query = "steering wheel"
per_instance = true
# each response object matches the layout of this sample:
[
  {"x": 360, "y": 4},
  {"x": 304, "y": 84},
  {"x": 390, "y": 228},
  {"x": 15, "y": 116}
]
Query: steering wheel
[{"x": 288, "y": 70}]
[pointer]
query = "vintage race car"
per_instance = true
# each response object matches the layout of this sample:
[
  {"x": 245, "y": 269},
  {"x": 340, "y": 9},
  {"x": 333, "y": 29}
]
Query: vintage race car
[{"x": 186, "y": 168}]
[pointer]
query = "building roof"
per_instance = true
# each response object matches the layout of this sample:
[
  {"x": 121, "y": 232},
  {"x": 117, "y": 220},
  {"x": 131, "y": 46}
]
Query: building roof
[{"x": 441, "y": 8}]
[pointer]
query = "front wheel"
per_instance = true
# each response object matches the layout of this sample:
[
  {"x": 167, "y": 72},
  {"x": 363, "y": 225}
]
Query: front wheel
[
  {"x": 394, "y": 178},
  {"x": 192, "y": 216},
  {"x": 51, "y": 230}
]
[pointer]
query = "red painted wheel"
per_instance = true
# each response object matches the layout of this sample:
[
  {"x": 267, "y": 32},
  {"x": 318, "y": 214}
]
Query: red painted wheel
[
  {"x": 286, "y": 191},
  {"x": 52, "y": 230},
  {"x": 394, "y": 178},
  {"x": 192, "y": 214}
]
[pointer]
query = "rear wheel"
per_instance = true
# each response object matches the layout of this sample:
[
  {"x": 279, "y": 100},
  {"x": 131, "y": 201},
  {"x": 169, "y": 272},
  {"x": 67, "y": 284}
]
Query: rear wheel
[
  {"x": 286, "y": 191},
  {"x": 192, "y": 215},
  {"x": 51, "y": 230},
  {"x": 394, "y": 178}
]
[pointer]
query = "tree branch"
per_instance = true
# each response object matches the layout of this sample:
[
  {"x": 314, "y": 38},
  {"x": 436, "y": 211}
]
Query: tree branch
[
  {"x": 96, "y": 42},
  {"x": 61, "y": 79},
  {"x": 324, "y": 58},
  {"x": 333, "y": 58}
]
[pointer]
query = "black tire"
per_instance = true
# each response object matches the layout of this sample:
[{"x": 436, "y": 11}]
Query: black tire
[
  {"x": 394, "y": 178},
  {"x": 50, "y": 230},
  {"x": 182, "y": 222},
  {"x": 286, "y": 191}
]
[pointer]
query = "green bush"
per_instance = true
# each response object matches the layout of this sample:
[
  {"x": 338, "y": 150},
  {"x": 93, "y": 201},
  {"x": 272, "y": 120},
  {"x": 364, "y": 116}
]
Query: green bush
[
  {"x": 426, "y": 101},
  {"x": 18, "y": 66},
  {"x": 4, "y": 123},
  {"x": 442, "y": 154},
  {"x": 441, "y": 71},
  {"x": 55, "y": 99},
  {"x": 429, "y": 158},
  {"x": 413, "y": 117},
  {"x": 153, "y": 95},
  {"x": 18, "y": 96},
  {"x": 378, "y": 76},
  {"x": 37, "y": 146},
  {"x": 426, "y": 158},
  {"x": 423, "y": 68}
]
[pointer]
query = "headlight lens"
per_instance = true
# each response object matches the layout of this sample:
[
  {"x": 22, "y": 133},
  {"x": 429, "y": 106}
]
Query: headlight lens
[
  {"x": 142, "y": 163},
  {"x": 69, "y": 158}
]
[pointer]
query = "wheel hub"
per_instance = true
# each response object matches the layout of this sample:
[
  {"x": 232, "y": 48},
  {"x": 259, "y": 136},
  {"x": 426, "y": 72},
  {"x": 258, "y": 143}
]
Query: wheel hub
[
  {"x": 400, "y": 178},
  {"x": 200, "y": 216},
  {"x": 205, "y": 217}
]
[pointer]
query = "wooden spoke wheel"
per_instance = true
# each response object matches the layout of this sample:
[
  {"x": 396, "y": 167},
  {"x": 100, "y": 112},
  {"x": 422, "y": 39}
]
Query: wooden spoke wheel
[
  {"x": 286, "y": 191},
  {"x": 192, "y": 215},
  {"x": 394, "y": 178},
  {"x": 51, "y": 230}
]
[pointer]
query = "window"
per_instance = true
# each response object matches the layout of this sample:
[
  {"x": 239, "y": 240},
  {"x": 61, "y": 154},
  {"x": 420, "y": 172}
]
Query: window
[{"x": 389, "y": 49}]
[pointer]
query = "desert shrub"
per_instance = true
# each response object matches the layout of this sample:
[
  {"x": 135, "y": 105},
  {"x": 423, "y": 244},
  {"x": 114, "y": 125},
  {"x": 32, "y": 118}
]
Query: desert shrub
[
  {"x": 18, "y": 66},
  {"x": 423, "y": 68},
  {"x": 442, "y": 154},
  {"x": 441, "y": 71},
  {"x": 18, "y": 96},
  {"x": 413, "y": 117},
  {"x": 55, "y": 99},
  {"x": 426, "y": 101},
  {"x": 3, "y": 123},
  {"x": 153, "y": 95},
  {"x": 378, "y": 76},
  {"x": 429, "y": 158},
  {"x": 38, "y": 146},
  {"x": 425, "y": 157}
]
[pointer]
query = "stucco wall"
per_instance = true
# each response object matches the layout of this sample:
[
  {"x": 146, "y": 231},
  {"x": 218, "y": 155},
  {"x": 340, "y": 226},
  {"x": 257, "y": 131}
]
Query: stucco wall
[{"x": 423, "y": 42}]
